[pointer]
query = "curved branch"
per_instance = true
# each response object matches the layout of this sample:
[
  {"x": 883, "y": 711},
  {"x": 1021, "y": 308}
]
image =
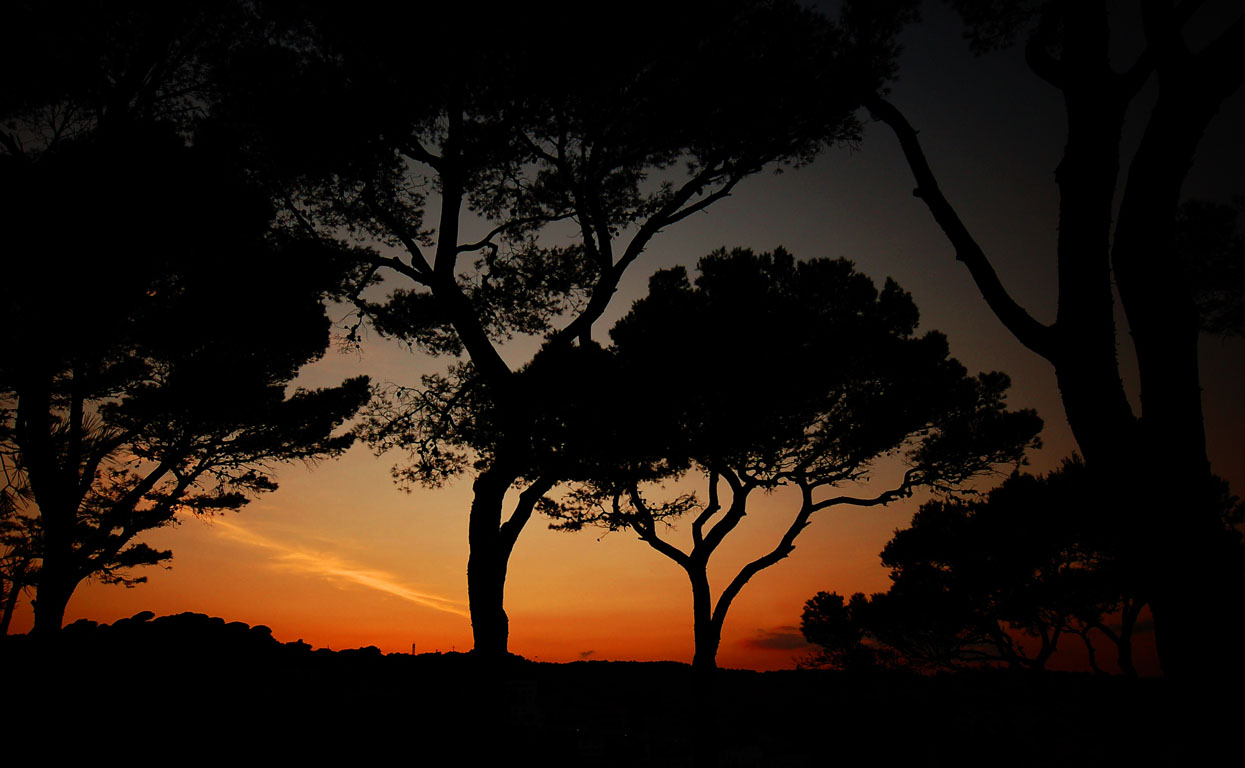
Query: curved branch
[
  {"x": 510, "y": 530},
  {"x": 417, "y": 152},
  {"x": 784, "y": 547},
  {"x": 885, "y": 497},
  {"x": 646, "y": 528},
  {"x": 1033, "y": 334}
]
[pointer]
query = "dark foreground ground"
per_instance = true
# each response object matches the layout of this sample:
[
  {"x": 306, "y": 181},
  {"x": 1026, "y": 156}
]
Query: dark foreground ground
[{"x": 177, "y": 689}]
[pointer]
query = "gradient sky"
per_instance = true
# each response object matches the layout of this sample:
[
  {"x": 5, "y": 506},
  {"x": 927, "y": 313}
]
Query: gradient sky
[{"x": 340, "y": 558}]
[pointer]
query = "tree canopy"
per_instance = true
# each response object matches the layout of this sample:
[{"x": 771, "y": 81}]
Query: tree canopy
[
  {"x": 998, "y": 580},
  {"x": 152, "y": 317},
  {"x": 772, "y": 373},
  {"x": 459, "y": 189}
]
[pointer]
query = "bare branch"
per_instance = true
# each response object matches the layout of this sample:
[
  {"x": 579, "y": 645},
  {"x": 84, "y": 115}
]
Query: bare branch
[
  {"x": 1031, "y": 333},
  {"x": 785, "y": 546},
  {"x": 487, "y": 240}
]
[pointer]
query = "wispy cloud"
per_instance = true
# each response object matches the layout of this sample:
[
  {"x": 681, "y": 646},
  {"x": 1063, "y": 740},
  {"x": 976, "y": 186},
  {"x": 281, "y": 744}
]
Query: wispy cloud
[
  {"x": 778, "y": 639},
  {"x": 330, "y": 566}
]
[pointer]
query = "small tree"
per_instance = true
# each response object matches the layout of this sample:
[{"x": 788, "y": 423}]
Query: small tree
[{"x": 777, "y": 373}]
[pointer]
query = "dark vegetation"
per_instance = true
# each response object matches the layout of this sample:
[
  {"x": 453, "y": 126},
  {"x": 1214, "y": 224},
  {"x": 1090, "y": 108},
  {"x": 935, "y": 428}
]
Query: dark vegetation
[
  {"x": 152, "y": 313},
  {"x": 516, "y": 144},
  {"x": 192, "y": 682},
  {"x": 214, "y": 172},
  {"x": 750, "y": 406},
  {"x": 1122, "y": 227}
]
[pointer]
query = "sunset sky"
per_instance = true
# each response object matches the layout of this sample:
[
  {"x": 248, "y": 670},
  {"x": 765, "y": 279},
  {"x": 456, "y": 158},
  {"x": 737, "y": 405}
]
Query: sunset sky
[{"x": 340, "y": 558}]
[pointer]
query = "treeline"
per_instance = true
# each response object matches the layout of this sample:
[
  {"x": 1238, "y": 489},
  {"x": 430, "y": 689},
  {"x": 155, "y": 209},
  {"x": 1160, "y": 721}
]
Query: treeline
[{"x": 1000, "y": 581}]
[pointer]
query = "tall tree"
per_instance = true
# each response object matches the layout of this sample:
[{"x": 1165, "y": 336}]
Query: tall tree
[
  {"x": 606, "y": 130},
  {"x": 1191, "y": 579},
  {"x": 777, "y": 373},
  {"x": 149, "y": 320}
]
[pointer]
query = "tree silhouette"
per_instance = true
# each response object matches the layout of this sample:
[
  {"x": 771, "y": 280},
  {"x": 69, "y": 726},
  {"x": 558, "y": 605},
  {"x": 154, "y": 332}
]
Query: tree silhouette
[
  {"x": 1039, "y": 556},
  {"x": 1158, "y": 453},
  {"x": 151, "y": 317},
  {"x": 1211, "y": 246},
  {"x": 777, "y": 373},
  {"x": 537, "y": 131}
]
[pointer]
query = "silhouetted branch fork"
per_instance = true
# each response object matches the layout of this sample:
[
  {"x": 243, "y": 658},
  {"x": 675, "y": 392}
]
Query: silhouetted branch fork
[
  {"x": 712, "y": 508},
  {"x": 607, "y": 283},
  {"x": 102, "y": 449},
  {"x": 785, "y": 546},
  {"x": 510, "y": 530},
  {"x": 646, "y": 529},
  {"x": 734, "y": 513},
  {"x": 487, "y": 240},
  {"x": 417, "y": 152},
  {"x": 419, "y": 272},
  {"x": 1028, "y": 331},
  {"x": 705, "y": 202},
  {"x": 903, "y": 490}
]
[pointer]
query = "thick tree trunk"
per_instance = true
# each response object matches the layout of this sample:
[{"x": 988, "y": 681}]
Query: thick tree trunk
[
  {"x": 486, "y": 566},
  {"x": 51, "y": 599}
]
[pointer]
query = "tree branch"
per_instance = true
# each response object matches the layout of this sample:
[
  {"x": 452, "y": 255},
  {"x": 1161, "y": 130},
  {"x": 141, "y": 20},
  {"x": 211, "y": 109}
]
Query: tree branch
[
  {"x": 736, "y": 512},
  {"x": 609, "y": 279},
  {"x": 885, "y": 497},
  {"x": 705, "y": 202},
  {"x": 1037, "y": 337},
  {"x": 784, "y": 547},
  {"x": 510, "y": 530},
  {"x": 418, "y": 271},
  {"x": 709, "y": 511},
  {"x": 417, "y": 152},
  {"x": 487, "y": 240},
  {"x": 646, "y": 529}
]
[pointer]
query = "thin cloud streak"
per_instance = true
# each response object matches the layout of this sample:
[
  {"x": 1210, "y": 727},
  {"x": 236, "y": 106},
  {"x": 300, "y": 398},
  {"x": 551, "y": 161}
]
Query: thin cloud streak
[{"x": 330, "y": 566}]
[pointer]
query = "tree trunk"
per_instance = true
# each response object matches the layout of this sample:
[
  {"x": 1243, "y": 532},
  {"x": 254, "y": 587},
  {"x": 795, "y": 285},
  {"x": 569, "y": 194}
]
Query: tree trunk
[
  {"x": 486, "y": 566},
  {"x": 51, "y": 598},
  {"x": 10, "y": 603},
  {"x": 707, "y": 632}
]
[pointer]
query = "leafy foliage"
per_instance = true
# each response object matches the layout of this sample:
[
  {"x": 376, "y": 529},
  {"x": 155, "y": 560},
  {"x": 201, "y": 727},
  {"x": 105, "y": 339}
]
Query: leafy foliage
[
  {"x": 776, "y": 372},
  {"x": 1039, "y": 556},
  {"x": 151, "y": 316},
  {"x": 787, "y": 372}
]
